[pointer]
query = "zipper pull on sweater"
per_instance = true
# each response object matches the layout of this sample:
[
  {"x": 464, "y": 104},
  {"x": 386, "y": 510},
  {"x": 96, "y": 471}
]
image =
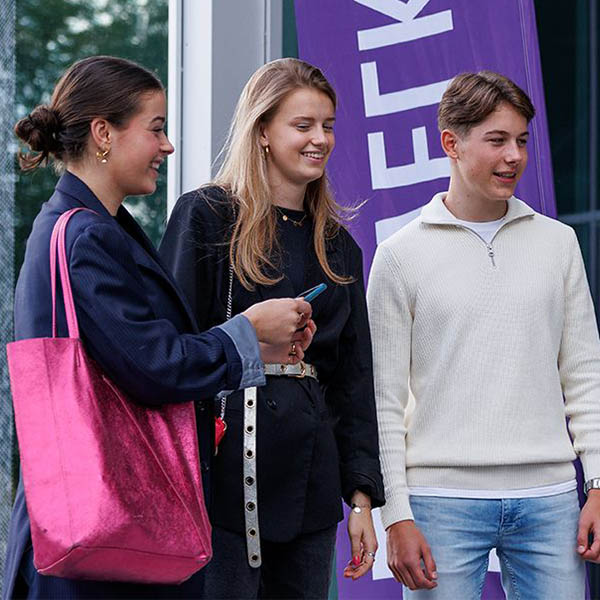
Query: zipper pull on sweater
[{"x": 491, "y": 254}]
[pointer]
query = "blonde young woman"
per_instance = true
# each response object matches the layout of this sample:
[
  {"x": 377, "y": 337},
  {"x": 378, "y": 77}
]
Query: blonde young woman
[{"x": 270, "y": 215}]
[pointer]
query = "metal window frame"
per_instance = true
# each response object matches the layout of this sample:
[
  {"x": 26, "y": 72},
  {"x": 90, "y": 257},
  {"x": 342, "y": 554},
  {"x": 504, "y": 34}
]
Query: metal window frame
[
  {"x": 206, "y": 74},
  {"x": 7, "y": 246}
]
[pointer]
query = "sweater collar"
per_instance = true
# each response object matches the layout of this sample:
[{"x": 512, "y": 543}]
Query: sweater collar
[{"x": 436, "y": 213}]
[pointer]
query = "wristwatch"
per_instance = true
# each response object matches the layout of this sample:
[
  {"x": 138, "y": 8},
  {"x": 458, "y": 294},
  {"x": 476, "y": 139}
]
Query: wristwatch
[{"x": 592, "y": 484}]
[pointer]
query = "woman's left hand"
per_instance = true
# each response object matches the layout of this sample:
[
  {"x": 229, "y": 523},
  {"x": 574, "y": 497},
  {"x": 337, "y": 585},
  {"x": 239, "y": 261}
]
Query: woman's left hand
[
  {"x": 362, "y": 537},
  {"x": 305, "y": 335},
  {"x": 293, "y": 352}
]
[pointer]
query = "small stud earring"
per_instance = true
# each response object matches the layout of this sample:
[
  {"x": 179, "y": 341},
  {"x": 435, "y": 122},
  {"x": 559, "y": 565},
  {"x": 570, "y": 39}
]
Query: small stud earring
[
  {"x": 101, "y": 156},
  {"x": 267, "y": 149}
]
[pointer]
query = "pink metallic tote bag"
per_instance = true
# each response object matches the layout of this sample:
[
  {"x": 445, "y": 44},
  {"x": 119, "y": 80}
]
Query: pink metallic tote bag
[{"x": 113, "y": 489}]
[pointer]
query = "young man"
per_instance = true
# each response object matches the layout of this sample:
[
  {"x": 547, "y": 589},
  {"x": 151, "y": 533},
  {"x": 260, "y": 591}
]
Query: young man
[{"x": 481, "y": 309}]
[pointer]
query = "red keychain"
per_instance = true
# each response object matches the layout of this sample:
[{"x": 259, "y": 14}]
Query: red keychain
[
  {"x": 220, "y": 429},
  {"x": 220, "y": 425}
]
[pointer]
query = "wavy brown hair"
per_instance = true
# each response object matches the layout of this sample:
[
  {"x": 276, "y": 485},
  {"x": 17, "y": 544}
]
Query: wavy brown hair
[{"x": 243, "y": 175}]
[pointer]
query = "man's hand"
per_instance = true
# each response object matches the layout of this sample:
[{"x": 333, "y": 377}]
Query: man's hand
[
  {"x": 589, "y": 523},
  {"x": 409, "y": 556}
]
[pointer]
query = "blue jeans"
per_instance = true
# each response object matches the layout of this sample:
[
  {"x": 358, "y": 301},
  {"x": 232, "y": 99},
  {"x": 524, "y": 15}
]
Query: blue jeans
[{"x": 535, "y": 540}]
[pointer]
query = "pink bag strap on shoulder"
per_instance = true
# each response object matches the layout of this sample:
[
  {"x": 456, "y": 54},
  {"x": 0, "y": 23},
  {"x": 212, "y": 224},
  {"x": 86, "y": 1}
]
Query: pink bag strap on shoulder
[{"x": 58, "y": 247}]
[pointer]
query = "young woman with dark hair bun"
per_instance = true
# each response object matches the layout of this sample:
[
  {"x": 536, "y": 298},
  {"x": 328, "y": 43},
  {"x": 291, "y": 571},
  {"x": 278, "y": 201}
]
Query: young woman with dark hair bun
[{"x": 104, "y": 129}]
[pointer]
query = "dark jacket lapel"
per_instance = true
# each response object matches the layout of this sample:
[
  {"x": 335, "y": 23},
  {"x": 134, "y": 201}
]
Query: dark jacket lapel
[{"x": 79, "y": 193}]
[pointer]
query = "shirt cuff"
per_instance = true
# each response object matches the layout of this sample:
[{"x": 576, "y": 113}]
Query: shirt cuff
[
  {"x": 242, "y": 334},
  {"x": 396, "y": 509},
  {"x": 590, "y": 461},
  {"x": 367, "y": 485}
]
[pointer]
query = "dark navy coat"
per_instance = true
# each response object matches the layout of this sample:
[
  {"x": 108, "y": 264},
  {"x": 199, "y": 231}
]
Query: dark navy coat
[{"x": 135, "y": 323}]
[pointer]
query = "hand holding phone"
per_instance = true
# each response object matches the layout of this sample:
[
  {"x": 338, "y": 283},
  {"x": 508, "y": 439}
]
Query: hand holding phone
[{"x": 312, "y": 293}]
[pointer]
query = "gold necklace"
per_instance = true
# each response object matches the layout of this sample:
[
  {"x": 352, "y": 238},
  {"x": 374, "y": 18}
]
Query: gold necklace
[{"x": 286, "y": 218}]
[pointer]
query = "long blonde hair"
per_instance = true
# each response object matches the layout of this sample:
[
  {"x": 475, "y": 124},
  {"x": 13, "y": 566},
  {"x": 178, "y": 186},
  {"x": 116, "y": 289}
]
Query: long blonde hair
[{"x": 243, "y": 175}]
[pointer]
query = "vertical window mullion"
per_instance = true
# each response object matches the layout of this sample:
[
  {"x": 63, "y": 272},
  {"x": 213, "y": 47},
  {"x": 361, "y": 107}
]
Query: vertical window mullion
[
  {"x": 593, "y": 143},
  {"x": 8, "y": 454}
]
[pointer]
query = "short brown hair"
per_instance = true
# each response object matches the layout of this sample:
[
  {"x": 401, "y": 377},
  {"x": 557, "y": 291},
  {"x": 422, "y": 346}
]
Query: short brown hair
[
  {"x": 98, "y": 86},
  {"x": 471, "y": 97}
]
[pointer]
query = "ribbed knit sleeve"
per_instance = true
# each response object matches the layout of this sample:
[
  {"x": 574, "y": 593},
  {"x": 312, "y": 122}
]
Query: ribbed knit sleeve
[
  {"x": 579, "y": 363},
  {"x": 391, "y": 324}
]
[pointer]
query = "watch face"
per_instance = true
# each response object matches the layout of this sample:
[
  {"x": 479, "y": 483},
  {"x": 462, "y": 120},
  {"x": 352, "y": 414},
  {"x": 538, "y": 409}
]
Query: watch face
[{"x": 592, "y": 484}]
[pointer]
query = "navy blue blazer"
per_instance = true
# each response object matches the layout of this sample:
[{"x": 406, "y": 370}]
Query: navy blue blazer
[{"x": 136, "y": 324}]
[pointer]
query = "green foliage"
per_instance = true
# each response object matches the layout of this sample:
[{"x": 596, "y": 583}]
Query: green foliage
[{"x": 53, "y": 34}]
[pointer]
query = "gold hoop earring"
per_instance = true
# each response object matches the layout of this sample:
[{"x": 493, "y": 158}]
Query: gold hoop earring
[{"x": 101, "y": 156}]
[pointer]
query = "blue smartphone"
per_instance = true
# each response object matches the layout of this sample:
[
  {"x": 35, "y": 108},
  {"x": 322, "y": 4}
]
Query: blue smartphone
[{"x": 312, "y": 293}]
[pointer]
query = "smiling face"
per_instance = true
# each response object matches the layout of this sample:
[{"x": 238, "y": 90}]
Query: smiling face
[
  {"x": 299, "y": 138},
  {"x": 489, "y": 160},
  {"x": 138, "y": 149}
]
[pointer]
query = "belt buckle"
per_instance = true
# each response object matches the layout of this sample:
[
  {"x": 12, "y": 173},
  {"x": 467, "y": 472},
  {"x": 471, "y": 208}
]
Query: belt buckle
[{"x": 302, "y": 373}]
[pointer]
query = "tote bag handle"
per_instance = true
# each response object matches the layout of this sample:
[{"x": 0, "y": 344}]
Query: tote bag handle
[{"x": 58, "y": 246}]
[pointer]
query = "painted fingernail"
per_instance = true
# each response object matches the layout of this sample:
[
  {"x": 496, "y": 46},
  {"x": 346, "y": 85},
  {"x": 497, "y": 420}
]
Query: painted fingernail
[
  {"x": 581, "y": 549},
  {"x": 356, "y": 560}
]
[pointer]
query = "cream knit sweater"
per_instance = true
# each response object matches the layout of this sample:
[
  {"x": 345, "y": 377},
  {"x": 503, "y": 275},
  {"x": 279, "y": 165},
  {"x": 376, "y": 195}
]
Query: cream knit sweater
[{"x": 490, "y": 337}]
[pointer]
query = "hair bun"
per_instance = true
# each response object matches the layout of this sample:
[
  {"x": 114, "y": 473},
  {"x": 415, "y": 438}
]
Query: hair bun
[{"x": 40, "y": 130}]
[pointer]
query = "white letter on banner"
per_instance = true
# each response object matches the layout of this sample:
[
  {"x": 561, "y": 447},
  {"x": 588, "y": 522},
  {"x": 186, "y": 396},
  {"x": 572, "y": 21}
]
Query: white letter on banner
[
  {"x": 423, "y": 169},
  {"x": 401, "y": 11},
  {"x": 409, "y": 28},
  {"x": 385, "y": 104}
]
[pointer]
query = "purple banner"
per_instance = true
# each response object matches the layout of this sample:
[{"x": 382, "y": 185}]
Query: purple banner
[{"x": 390, "y": 61}]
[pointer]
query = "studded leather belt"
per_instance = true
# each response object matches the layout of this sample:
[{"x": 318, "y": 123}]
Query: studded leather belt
[
  {"x": 250, "y": 492},
  {"x": 298, "y": 370}
]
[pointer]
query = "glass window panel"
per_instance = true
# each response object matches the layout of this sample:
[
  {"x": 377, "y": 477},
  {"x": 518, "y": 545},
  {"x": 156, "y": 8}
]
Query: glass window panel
[
  {"x": 583, "y": 235},
  {"x": 8, "y": 464},
  {"x": 564, "y": 48},
  {"x": 289, "y": 36},
  {"x": 51, "y": 35}
]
